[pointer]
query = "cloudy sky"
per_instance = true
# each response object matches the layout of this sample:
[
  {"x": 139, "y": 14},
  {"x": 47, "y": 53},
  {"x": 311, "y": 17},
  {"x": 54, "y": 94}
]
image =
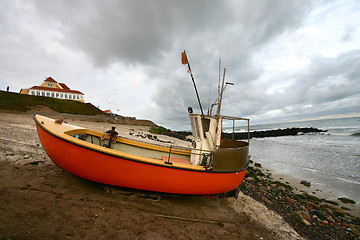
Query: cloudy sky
[{"x": 288, "y": 60}]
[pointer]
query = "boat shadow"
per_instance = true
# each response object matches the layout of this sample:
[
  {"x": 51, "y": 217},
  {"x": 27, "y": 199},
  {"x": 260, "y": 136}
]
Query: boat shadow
[{"x": 114, "y": 191}]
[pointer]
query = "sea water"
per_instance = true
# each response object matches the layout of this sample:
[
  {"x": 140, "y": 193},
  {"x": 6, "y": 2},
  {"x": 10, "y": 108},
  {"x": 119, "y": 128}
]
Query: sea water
[{"x": 329, "y": 160}]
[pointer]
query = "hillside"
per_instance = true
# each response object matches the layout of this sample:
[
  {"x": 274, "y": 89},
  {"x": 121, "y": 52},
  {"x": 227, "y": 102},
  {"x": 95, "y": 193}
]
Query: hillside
[{"x": 22, "y": 103}]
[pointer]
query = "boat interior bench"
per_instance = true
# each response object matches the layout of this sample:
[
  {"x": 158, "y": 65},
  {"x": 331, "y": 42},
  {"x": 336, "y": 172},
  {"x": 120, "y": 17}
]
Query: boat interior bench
[{"x": 133, "y": 148}]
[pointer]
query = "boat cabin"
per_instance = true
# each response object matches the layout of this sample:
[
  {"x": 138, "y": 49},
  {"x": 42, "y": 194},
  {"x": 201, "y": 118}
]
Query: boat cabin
[{"x": 209, "y": 147}]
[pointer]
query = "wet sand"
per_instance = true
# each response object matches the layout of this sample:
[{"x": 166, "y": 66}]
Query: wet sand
[{"x": 41, "y": 201}]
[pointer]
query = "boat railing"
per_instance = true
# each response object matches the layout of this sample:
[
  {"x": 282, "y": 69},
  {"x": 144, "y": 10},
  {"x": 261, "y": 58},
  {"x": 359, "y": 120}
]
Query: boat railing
[
  {"x": 175, "y": 149},
  {"x": 233, "y": 119},
  {"x": 231, "y": 155}
]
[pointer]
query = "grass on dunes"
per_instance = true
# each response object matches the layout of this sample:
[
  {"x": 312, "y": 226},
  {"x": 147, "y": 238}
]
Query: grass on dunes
[{"x": 22, "y": 103}]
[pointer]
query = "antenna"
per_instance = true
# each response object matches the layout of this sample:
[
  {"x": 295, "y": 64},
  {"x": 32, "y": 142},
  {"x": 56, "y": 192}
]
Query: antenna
[
  {"x": 221, "y": 93},
  {"x": 209, "y": 99},
  {"x": 219, "y": 75}
]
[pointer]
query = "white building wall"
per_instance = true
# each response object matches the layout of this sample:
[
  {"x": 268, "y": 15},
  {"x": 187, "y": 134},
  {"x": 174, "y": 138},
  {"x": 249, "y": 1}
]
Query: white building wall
[{"x": 52, "y": 94}]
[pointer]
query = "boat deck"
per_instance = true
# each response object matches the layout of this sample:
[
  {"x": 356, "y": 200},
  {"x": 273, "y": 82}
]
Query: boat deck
[{"x": 138, "y": 148}]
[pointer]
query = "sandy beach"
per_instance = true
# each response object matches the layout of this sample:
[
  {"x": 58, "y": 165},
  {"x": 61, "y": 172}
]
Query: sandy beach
[{"x": 41, "y": 201}]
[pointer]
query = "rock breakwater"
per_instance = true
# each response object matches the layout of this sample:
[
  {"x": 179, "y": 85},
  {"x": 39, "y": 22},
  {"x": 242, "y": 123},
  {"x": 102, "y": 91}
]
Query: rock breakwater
[{"x": 274, "y": 133}]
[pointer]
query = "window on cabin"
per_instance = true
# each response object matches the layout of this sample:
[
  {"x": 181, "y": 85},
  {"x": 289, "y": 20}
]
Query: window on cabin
[
  {"x": 61, "y": 95},
  {"x": 42, "y": 93},
  {"x": 51, "y": 85},
  {"x": 57, "y": 95},
  {"x": 38, "y": 93},
  {"x": 48, "y": 94},
  {"x": 77, "y": 97},
  {"x": 65, "y": 96},
  {"x": 32, "y": 92},
  {"x": 52, "y": 94}
]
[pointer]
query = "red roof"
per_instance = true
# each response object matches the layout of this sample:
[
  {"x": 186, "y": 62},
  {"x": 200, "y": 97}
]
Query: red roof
[
  {"x": 63, "y": 85},
  {"x": 50, "y": 79},
  {"x": 56, "y": 90}
]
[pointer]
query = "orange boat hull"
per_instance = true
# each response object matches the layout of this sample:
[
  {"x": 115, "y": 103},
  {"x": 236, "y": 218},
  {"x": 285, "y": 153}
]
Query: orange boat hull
[{"x": 111, "y": 169}]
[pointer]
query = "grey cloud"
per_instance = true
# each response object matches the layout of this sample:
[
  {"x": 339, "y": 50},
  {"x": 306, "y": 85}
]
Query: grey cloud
[
  {"x": 21, "y": 57},
  {"x": 251, "y": 26},
  {"x": 319, "y": 90},
  {"x": 348, "y": 33},
  {"x": 142, "y": 31},
  {"x": 149, "y": 36},
  {"x": 330, "y": 79},
  {"x": 264, "y": 20},
  {"x": 132, "y": 32}
]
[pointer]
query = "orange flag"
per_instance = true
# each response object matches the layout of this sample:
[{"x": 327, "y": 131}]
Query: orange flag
[{"x": 184, "y": 58}]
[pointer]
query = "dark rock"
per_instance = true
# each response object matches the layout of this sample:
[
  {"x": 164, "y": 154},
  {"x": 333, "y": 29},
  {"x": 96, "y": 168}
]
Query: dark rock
[
  {"x": 306, "y": 222},
  {"x": 345, "y": 208},
  {"x": 250, "y": 179},
  {"x": 34, "y": 163},
  {"x": 273, "y": 133},
  {"x": 257, "y": 165},
  {"x": 338, "y": 212},
  {"x": 305, "y": 183},
  {"x": 331, "y": 202},
  {"x": 267, "y": 201},
  {"x": 289, "y": 200},
  {"x": 304, "y": 215},
  {"x": 312, "y": 199},
  {"x": 319, "y": 214},
  {"x": 346, "y": 200}
]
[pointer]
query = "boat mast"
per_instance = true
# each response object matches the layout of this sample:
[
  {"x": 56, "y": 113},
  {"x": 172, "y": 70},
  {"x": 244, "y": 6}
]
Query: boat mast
[{"x": 184, "y": 61}]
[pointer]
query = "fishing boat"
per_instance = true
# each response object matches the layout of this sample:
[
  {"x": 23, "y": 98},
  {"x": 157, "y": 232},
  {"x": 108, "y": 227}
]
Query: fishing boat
[{"x": 213, "y": 165}]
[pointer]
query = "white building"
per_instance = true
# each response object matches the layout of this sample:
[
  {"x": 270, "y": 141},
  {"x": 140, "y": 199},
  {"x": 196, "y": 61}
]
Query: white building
[{"x": 51, "y": 88}]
